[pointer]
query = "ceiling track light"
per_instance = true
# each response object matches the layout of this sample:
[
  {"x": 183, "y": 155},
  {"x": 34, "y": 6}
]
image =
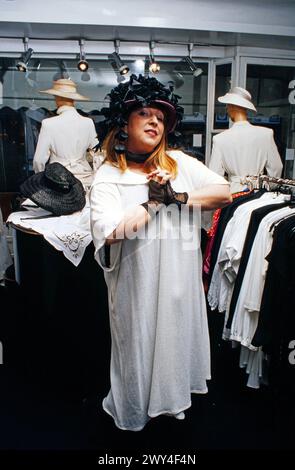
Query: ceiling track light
[
  {"x": 22, "y": 64},
  {"x": 122, "y": 68},
  {"x": 154, "y": 66},
  {"x": 192, "y": 66},
  {"x": 82, "y": 64}
]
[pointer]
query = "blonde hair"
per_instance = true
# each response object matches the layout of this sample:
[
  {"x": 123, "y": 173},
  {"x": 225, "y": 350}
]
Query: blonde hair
[{"x": 159, "y": 157}]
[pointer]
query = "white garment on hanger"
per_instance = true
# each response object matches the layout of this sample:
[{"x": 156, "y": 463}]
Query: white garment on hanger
[
  {"x": 246, "y": 314},
  {"x": 230, "y": 252}
]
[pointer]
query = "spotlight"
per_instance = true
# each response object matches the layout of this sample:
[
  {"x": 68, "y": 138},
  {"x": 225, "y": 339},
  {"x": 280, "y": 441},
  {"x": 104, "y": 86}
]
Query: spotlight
[
  {"x": 122, "y": 68},
  {"x": 196, "y": 70},
  {"x": 116, "y": 59},
  {"x": 192, "y": 66},
  {"x": 82, "y": 64},
  {"x": 154, "y": 66},
  {"x": 22, "y": 65}
]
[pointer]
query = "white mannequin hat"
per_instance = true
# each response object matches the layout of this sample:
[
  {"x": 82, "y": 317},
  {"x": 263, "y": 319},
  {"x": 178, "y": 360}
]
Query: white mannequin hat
[
  {"x": 238, "y": 96},
  {"x": 65, "y": 88}
]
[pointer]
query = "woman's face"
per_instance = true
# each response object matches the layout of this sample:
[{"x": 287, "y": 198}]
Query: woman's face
[{"x": 145, "y": 129}]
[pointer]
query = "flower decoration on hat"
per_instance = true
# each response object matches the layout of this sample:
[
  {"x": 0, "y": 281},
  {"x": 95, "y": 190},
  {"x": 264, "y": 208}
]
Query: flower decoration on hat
[{"x": 139, "y": 92}]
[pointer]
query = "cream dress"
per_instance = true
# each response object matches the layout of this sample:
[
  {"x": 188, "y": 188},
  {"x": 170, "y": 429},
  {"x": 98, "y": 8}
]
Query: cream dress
[{"x": 160, "y": 341}]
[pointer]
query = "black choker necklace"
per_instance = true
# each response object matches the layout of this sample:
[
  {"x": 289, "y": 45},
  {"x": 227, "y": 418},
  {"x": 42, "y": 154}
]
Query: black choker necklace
[{"x": 137, "y": 157}]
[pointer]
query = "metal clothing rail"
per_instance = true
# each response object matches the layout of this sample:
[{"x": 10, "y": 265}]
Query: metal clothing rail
[{"x": 257, "y": 182}]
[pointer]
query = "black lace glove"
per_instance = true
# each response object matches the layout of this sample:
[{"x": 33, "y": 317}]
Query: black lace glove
[
  {"x": 172, "y": 197},
  {"x": 157, "y": 197}
]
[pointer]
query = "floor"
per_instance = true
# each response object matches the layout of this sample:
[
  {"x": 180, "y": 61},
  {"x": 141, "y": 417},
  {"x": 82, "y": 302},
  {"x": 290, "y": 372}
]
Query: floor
[{"x": 45, "y": 404}]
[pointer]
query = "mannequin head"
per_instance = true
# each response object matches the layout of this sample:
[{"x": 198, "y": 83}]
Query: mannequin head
[
  {"x": 61, "y": 101},
  {"x": 236, "y": 113}
]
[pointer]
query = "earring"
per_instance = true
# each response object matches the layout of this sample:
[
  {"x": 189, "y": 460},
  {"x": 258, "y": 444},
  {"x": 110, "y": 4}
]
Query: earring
[{"x": 122, "y": 136}]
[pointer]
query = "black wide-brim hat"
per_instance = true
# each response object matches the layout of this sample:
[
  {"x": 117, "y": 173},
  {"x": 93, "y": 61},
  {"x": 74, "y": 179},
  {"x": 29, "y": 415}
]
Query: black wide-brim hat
[{"x": 55, "y": 189}]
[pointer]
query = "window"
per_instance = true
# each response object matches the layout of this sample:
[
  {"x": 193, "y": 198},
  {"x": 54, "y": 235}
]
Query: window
[{"x": 22, "y": 107}]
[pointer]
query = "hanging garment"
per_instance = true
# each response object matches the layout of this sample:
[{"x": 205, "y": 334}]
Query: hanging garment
[
  {"x": 230, "y": 252},
  {"x": 32, "y": 119},
  {"x": 211, "y": 233},
  {"x": 256, "y": 217},
  {"x": 225, "y": 216},
  {"x": 11, "y": 150},
  {"x": 276, "y": 325},
  {"x": 278, "y": 291},
  {"x": 246, "y": 314}
]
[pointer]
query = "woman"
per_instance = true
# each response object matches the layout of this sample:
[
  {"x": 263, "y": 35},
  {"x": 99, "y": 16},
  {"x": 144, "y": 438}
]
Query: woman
[{"x": 160, "y": 343}]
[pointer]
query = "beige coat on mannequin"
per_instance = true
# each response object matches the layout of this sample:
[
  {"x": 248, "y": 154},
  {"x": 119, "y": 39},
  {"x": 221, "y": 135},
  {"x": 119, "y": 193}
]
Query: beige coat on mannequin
[
  {"x": 244, "y": 150},
  {"x": 65, "y": 139}
]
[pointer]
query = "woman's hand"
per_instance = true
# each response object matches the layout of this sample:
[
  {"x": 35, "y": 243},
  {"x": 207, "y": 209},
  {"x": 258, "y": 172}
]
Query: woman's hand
[
  {"x": 169, "y": 196},
  {"x": 160, "y": 176}
]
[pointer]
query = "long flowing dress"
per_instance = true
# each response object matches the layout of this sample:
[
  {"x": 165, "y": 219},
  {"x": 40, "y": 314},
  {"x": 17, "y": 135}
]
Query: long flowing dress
[{"x": 158, "y": 319}]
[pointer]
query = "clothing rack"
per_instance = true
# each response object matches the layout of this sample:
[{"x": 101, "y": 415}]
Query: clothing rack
[{"x": 257, "y": 182}]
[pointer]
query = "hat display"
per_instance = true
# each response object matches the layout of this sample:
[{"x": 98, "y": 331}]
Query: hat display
[
  {"x": 238, "y": 96},
  {"x": 65, "y": 88},
  {"x": 55, "y": 189},
  {"x": 139, "y": 92}
]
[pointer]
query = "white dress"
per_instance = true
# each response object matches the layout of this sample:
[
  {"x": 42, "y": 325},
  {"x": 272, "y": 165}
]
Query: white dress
[{"x": 158, "y": 319}]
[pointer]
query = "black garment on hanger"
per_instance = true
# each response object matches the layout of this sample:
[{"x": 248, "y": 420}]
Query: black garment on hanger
[
  {"x": 225, "y": 216},
  {"x": 256, "y": 217},
  {"x": 11, "y": 150},
  {"x": 278, "y": 294},
  {"x": 32, "y": 120},
  {"x": 276, "y": 324}
]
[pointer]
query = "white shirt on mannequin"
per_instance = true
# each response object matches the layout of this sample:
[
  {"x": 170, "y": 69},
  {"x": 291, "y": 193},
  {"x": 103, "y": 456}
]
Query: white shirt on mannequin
[
  {"x": 244, "y": 150},
  {"x": 65, "y": 139}
]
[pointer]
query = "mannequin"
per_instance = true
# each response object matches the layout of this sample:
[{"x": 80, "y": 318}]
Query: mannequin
[
  {"x": 243, "y": 149},
  {"x": 67, "y": 137}
]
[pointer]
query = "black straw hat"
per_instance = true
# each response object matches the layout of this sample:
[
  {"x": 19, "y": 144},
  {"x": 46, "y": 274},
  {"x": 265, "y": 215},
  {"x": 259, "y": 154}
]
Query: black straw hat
[
  {"x": 140, "y": 92},
  {"x": 55, "y": 189}
]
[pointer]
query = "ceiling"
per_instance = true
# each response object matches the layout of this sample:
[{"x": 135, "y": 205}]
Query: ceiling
[{"x": 142, "y": 34}]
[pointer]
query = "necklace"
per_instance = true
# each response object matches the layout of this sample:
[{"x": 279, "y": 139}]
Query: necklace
[{"x": 137, "y": 157}]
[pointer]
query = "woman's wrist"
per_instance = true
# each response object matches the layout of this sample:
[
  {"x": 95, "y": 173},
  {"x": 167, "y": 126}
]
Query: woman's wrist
[{"x": 172, "y": 197}]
